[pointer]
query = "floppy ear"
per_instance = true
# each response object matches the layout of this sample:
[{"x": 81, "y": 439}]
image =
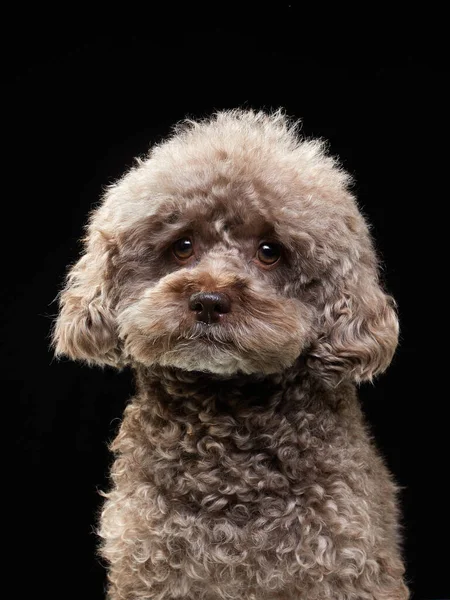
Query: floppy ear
[
  {"x": 85, "y": 328},
  {"x": 359, "y": 329}
]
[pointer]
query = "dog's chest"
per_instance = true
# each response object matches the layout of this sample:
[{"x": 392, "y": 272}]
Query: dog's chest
[
  {"x": 231, "y": 498},
  {"x": 245, "y": 499},
  {"x": 223, "y": 464}
]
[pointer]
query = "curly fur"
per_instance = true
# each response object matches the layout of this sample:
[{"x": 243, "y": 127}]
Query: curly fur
[{"x": 243, "y": 468}]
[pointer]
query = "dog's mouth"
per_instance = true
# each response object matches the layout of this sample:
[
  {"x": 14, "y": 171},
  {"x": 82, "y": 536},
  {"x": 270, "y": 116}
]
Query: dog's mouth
[{"x": 208, "y": 333}]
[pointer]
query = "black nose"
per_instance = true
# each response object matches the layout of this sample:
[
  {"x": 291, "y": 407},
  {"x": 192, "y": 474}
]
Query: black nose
[{"x": 209, "y": 306}]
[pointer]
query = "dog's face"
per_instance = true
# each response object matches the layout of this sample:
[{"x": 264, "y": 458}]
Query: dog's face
[
  {"x": 213, "y": 287},
  {"x": 233, "y": 249}
]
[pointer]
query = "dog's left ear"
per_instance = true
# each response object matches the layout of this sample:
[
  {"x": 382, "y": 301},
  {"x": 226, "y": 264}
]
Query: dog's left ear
[
  {"x": 358, "y": 329},
  {"x": 86, "y": 326}
]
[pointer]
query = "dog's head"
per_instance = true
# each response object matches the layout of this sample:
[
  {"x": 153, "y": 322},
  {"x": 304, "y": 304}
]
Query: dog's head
[{"x": 235, "y": 247}]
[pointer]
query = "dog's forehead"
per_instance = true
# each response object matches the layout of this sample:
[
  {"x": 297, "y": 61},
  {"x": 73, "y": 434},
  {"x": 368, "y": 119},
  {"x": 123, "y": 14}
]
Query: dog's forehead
[{"x": 227, "y": 217}]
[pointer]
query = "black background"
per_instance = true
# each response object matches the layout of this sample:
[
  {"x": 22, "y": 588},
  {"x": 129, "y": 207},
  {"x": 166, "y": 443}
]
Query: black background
[{"x": 82, "y": 100}]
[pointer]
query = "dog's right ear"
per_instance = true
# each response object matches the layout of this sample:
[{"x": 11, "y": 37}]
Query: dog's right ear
[{"x": 86, "y": 326}]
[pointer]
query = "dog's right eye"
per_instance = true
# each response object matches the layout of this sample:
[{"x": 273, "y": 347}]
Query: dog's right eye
[{"x": 183, "y": 248}]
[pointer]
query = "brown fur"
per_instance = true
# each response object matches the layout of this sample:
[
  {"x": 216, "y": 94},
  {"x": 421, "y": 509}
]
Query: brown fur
[{"x": 243, "y": 466}]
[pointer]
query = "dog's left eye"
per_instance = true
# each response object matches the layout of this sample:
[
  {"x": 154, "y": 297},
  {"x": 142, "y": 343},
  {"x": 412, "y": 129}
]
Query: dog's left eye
[
  {"x": 268, "y": 253},
  {"x": 183, "y": 248}
]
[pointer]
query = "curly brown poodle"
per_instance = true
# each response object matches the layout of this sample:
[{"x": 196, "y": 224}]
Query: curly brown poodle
[{"x": 232, "y": 270}]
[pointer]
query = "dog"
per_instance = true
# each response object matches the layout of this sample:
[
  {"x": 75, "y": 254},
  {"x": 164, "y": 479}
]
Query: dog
[{"x": 233, "y": 271}]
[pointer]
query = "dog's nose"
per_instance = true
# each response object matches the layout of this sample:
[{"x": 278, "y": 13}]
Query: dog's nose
[{"x": 209, "y": 306}]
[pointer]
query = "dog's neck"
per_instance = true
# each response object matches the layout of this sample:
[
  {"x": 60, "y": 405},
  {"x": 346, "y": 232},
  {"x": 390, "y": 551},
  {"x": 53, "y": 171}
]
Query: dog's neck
[{"x": 183, "y": 392}]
